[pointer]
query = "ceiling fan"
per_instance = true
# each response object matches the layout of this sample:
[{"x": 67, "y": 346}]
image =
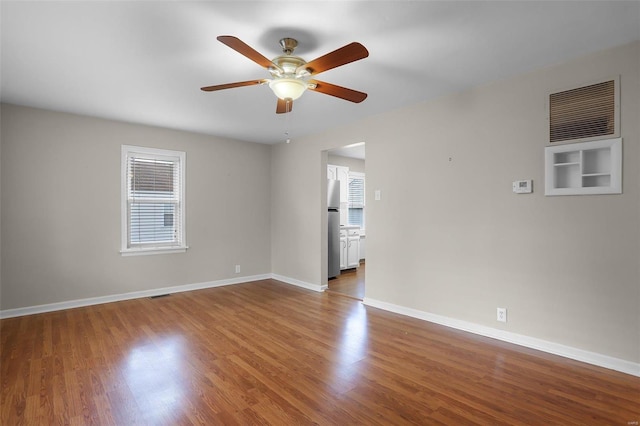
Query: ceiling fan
[{"x": 292, "y": 74}]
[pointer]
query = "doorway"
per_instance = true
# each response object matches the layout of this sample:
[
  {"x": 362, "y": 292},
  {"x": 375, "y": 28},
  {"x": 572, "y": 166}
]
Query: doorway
[{"x": 347, "y": 165}]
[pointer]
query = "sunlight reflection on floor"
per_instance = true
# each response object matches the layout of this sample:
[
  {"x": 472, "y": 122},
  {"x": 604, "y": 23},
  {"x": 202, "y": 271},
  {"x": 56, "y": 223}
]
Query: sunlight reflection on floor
[
  {"x": 354, "y": 343},
  {"x": 153, "y": 372}
]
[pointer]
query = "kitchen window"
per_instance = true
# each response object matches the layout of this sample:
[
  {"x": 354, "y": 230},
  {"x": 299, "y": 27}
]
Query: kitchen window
[
  {"x": 152, "y": 201},
  {"x": 356, "y": 199}
]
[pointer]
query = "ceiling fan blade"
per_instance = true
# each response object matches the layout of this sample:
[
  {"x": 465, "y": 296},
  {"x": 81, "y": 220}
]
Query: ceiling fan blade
[
  {"x": 232, "y": 85},
  {"x": 246, "y": 50},
  {"x": 284, "y": 106},
  {"x": 338, "y": 91},
  {"x": 346, "y": 54}
]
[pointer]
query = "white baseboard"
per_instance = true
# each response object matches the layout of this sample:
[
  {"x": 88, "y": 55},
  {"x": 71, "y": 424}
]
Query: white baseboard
[
  {"x": 293, "y": 281},
  {"x": 9, "y": 313},
  {"x": 70, "y": 304},
  {"x": 594, "y": 358}
]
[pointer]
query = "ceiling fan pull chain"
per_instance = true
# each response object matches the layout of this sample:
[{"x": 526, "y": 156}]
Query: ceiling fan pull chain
[{"x": 287, "y": 118}]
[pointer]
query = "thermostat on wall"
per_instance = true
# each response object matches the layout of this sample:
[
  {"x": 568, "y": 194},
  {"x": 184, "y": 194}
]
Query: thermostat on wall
[{"x": 523, "y": 186}]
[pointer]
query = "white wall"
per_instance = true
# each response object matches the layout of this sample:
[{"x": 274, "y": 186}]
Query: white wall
[
  {"x": 354, "y": 164},
  {"x": 450, "y": 238},
  {"x": 0, "y": 211},
  {"x": 61, "y": 209}
]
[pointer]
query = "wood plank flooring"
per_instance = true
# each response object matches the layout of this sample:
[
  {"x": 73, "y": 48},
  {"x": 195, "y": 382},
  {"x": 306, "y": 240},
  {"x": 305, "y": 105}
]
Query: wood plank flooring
[
  {"x": 269, "y": 353},
  {"x": 350, "y": 282}
]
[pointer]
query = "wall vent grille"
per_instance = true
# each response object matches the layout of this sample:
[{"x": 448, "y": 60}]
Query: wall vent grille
[{"x": 585, "y": 112}]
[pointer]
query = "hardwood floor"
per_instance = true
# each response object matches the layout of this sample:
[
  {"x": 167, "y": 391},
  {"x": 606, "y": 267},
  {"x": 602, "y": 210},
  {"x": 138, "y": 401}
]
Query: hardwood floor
[
  {"x": 270, "y": 353},
  {"x": 350, "y": 282}
]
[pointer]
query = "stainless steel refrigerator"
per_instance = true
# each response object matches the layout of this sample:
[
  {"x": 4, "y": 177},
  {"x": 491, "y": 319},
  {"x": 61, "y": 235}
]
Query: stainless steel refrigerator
[{"x": 333, "y": 204}]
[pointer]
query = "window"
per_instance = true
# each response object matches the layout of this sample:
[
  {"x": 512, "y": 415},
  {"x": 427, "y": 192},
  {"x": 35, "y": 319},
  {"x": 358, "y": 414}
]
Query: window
[
  {"x": 152, "y": 200},
  {"x": 356, "y": 199}
]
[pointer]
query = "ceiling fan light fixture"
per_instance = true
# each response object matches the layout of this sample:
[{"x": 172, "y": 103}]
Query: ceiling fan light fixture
[
  {"x": 292, "y": 75},
  {"x": 288, "y": 88}
]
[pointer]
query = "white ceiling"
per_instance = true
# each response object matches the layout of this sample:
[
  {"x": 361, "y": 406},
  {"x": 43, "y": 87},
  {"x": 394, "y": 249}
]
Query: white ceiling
[{"x": 144, "y": 61}]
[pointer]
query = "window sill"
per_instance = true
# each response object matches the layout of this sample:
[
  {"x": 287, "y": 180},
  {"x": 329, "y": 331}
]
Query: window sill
[{"x": 155, "y": 250}]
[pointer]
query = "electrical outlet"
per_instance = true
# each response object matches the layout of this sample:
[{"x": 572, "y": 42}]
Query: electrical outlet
[
  {"x": 237, "y": 269},
  {"x": 502, "y": 314}
]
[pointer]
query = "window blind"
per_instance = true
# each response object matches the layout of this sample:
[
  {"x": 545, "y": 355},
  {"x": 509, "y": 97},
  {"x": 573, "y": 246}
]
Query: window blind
[
  {"x": 153, "y": 201},
  {"x": 583, "y": 112},
  {"x": 356, "y": 192},
  {"x": 356, "y": 200}
]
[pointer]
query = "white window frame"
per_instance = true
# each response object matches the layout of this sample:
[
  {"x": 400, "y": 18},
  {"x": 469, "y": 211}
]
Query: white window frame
[{"x": 152, "y": 153}]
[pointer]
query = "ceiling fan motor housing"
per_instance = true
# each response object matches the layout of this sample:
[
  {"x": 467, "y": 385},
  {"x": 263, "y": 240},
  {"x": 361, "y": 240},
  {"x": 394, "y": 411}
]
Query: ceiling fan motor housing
[
  {"x": 288, "y": 66},
  {"x": 290, "y": 75}
]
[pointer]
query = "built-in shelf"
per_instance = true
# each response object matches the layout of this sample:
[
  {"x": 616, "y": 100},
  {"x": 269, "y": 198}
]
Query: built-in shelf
[{"x": 584, "y": 168}]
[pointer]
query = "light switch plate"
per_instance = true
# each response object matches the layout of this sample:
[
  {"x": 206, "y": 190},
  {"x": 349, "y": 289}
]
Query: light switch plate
[{"x": 377, "y": 195}]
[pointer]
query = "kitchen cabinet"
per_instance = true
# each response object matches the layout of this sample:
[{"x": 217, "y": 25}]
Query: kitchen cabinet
[
  {"x": 353, "y": 251},
  {"x": 349, "y": 247},
  {"x": 332, "y": 172},
  {"x": 343, "y": 250},
  {"x": 342, "y": 174},
  {"x": 343, "y": 177}
]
